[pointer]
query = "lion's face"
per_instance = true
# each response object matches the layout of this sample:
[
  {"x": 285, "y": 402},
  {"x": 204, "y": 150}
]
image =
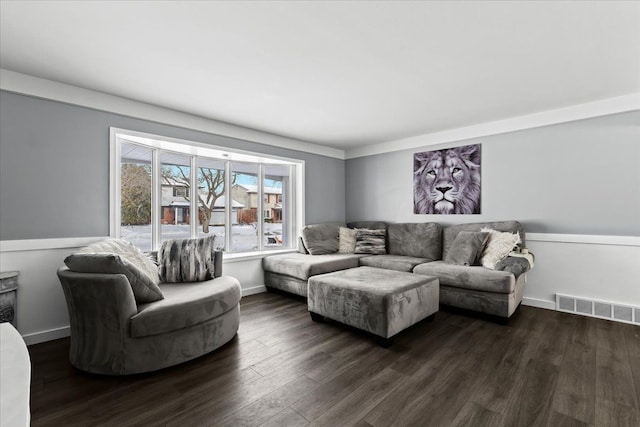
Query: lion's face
[{"x": 447, "y": 181}]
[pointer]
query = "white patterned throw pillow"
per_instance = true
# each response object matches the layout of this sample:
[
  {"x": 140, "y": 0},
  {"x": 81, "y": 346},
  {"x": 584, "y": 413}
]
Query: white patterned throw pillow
[
  {"x": 498, "y": 247},
  {"x": 347, "y": 240}
]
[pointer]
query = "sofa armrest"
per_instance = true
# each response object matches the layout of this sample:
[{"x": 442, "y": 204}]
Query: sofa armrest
[
  {"x": 514, "y": 265},
  {"x": 100, "y": 307}
]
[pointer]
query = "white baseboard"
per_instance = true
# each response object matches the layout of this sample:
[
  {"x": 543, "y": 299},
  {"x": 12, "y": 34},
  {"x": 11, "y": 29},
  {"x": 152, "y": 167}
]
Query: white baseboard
[
  {"x": 254, "y": 290},
  {"x": 534, "y": 302},
  {"x": 50, "y": 335}
]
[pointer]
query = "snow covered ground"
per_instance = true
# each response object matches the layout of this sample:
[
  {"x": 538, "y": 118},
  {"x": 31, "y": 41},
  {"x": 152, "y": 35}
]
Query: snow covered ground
[{"x": 244, "y": 237}]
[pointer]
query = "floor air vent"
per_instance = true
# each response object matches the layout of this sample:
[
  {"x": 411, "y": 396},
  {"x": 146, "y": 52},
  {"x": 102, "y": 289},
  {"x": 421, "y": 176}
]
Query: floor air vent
[{"x": 600, "y": 309}]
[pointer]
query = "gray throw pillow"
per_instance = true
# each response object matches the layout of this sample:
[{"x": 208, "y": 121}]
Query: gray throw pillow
[
  {"x": 187, "y": 260},
  {"x": 321, "y": 239},
  {"x": 370, "y": 241},
  {"x": 116, "y": 256},
  {"x": 467, "y": 248}
]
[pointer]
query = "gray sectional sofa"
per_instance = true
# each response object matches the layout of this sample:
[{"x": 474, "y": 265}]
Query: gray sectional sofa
[{"x": 419, "y": 248}]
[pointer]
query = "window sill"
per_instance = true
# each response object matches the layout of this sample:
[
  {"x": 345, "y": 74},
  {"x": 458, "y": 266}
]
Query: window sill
[{"x": 247, "y": 256}]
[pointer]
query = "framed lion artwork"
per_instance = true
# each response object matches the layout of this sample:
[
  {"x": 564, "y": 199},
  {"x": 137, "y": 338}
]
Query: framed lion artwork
[{"x": 447, "y": 181}]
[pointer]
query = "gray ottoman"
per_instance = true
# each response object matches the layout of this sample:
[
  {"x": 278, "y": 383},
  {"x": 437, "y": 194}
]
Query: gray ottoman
[{"x": 382, "y": 302}]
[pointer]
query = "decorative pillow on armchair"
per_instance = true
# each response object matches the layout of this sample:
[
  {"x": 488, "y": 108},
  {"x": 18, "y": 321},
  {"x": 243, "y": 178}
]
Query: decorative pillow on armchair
[
  {"x": 117, "y": 256},
  {"x": 187, "y": 260}
]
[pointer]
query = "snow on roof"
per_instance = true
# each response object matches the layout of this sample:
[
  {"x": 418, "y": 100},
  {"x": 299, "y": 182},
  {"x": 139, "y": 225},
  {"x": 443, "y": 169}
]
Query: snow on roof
[{"x": 251, "y": 188}]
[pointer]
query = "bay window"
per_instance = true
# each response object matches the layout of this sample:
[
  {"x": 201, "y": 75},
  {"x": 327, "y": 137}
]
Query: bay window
[{"x": 163, "y": 188}]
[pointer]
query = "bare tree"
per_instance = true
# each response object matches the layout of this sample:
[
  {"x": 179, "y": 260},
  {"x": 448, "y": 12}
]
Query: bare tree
[
  {"x": 135, "y": 194},
  {"x": 212, "y": 182}
]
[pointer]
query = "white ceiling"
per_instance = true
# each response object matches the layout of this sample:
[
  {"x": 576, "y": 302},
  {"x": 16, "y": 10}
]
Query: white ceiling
[{"x": 341, "y": 74}]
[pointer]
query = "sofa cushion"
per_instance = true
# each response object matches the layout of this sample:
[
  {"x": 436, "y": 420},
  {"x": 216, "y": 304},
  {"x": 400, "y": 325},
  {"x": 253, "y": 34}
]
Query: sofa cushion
[
  {"x": 321, "y": 239},
  {"x": 469, "y": 277},
  {"x": 186, "y": 305},
  {"x": 304, "y": 266},
  {"x": 369, "y": 225},
  {"x": 449, "y": 233},
  {"x": 347, "y": 240},
  {"x": 117, "y": 256},
  {"x": 392, "y": 262},
  {"x": 372, "y": 242},
  {"x": 187, "y": 260},
  {"x": 420, "y": 240},
  {"x": 467, "y": 248}
]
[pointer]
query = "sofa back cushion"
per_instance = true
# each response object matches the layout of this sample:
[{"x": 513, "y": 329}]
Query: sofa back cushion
[
  {"x": 321, "y": 239},
  {"x": 369, "y": 225},
  {"x": 450, "y": 233},
  {"x": 420, "y": 240},
  {"x": 301, "y": 248}
]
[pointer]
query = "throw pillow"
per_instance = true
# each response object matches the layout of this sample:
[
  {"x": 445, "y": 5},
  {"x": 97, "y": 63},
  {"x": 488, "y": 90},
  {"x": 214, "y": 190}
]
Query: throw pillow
[
  {"x": 321, "y": 239},
  {"x": 116, "y": 256},
  {"x": 370, "y": 241},
  {"x": 467, "y": 248},
  {"x": 498, "y": 247},
  {"x": 187, "y": 260},
  {"x": 347, "y": 240}
]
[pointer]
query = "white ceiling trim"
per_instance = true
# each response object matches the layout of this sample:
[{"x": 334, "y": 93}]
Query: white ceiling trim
[
  {"x": 42, "y": 88},
  {"x": 618, "y": 104}
]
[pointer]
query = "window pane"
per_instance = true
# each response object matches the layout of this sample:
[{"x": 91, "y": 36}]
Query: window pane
[
  {"x": 276, "y": 206},
  {"x": 175, "y": 213},
  {"x": 211, "y": 201},
  {"x": 135, "y": 195},
  {"x": 244, "y": 233}
]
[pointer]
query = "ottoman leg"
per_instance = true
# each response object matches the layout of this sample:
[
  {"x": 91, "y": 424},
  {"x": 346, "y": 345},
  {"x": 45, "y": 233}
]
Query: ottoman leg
[
  {"x": 431, "y": 318},
  {"x": 316, "y": 317}
]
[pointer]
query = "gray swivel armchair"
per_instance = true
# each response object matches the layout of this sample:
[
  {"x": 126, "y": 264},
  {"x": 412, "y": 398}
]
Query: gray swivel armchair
[{"x": 111, "y": 334}]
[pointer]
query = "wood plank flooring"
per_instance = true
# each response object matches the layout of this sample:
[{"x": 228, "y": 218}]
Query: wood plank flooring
[{"x": 542, "y": 369}]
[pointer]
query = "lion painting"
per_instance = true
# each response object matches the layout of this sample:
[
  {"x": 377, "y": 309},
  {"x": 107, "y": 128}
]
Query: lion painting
[{"x": 447, "y": 181}]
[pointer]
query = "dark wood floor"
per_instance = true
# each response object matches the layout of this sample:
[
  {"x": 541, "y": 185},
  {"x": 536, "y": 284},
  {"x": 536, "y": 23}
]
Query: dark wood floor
[{"x": 544, "y": 368}]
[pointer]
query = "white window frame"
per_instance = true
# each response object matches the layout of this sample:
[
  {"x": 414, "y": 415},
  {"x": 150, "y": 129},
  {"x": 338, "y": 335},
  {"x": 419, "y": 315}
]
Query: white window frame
[{"x": 158, "y": 144}]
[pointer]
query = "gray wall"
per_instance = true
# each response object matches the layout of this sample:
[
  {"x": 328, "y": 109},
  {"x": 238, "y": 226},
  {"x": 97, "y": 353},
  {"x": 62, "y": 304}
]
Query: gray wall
[
  {"x": 580, "y": 177},
  {"x": 54, "y": 168}
]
